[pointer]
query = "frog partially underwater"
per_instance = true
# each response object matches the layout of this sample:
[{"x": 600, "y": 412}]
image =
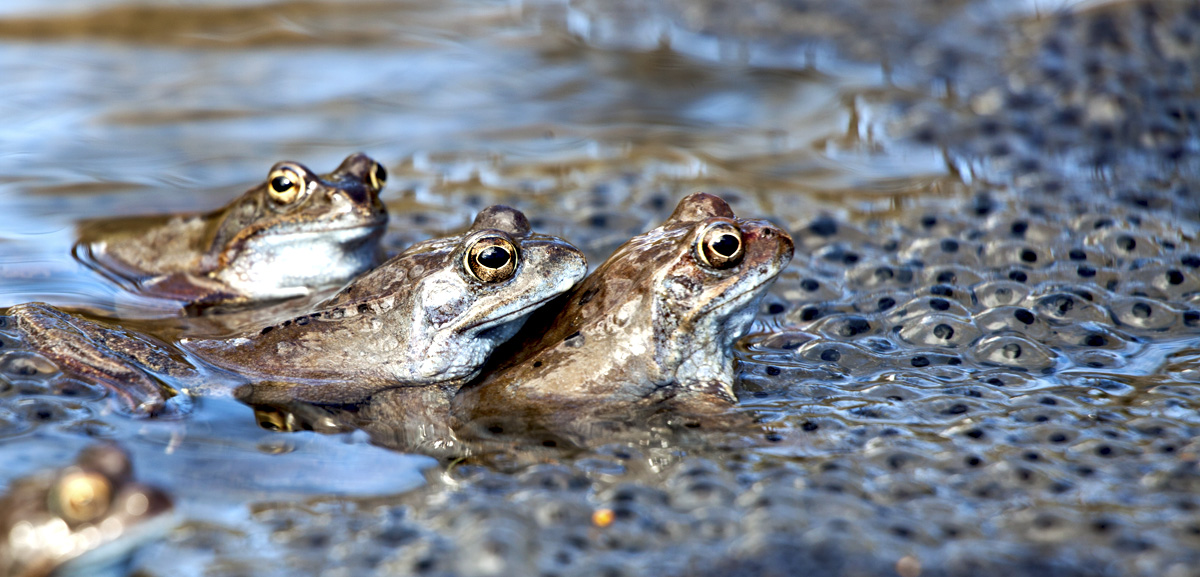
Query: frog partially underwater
[
  {"x": 80, "y": 519},
  {"x": 652, "y": 329},
  {"x": 431, "y": 315},
  {"x": 296, "y": 232}
]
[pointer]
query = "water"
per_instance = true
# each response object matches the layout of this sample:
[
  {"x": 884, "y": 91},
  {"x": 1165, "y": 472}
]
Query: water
[{"x": 981, "y": 361}]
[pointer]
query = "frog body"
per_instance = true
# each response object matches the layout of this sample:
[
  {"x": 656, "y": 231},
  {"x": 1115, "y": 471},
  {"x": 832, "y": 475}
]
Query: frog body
[
  {"x": 296, "y": 232},
  {"x": 652, "y": 327},
  {"x": 431, "y": 315}
]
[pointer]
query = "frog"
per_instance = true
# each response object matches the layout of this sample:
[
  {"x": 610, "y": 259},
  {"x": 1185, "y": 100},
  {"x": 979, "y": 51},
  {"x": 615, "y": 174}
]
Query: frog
[
  {"x": 80, "y": 518},
  {"x": 295, "y": 233},
  {"x": 429, "y": 316},
  {"x": 652, "y": 329}
]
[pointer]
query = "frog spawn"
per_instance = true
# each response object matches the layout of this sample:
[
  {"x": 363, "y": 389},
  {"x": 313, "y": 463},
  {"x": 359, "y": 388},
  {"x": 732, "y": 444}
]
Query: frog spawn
[
  {"x": 1040, "y": 383},
  {"x": 900, "y": 410}
]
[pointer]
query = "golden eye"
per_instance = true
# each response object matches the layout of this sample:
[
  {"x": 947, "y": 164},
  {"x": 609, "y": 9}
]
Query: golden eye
[
  {"x": 720, "y": 245},
  {"x": 378, "y": 176},
  {"x": 285, "y": 185},
  {"x": 272, "y": 420},
  {"x": 492, "y": 259},
  {"x": 80, "y": 497}
]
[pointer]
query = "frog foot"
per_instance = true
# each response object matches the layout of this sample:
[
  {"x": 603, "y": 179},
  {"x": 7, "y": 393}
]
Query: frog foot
[{"x": 120, "y": 361}]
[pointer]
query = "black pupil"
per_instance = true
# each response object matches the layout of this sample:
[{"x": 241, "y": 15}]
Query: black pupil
[
  {"x": 494, "y": 257},
  {"x": 380, "y": 173},
  {"x": 726, "y": 245},
  {"x": 281, "y": 183}
]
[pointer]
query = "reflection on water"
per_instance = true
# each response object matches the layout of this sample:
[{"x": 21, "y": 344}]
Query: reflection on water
[{"x": 983, "y": 354}]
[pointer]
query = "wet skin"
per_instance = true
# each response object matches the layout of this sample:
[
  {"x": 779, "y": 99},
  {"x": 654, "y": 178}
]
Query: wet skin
[
  {"x": 651, "y": 329},
  {"x": 429, "y": 316},
  {"x": 296, "y": 232},
  {"x": 80, "y": 518}
]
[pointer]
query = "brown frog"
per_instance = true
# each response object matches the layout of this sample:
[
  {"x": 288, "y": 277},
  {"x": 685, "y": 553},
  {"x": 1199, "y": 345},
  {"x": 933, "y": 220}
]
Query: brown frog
[
  {"x": 429, "y": 316},
  {"x": 651, "y": 329},
  {"x": 80, "y": 519},
  {"x": 296, "y": 232}
]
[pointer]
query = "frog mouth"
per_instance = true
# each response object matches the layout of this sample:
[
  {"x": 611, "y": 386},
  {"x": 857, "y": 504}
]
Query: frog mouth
[
  {"x": 506, "y": 317},
  {"x": 736, "y": 299},
  {"x": 376, "y": 221},
  {"x": 367, "y": 228}
]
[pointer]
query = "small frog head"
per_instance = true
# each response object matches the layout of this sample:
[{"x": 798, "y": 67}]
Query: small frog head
[{"x": 300, "y": 229}]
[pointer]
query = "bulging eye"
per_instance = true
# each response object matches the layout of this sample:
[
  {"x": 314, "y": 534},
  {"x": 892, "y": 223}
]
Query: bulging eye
[
  {"x": 492, "y": 259},
  {"x": 80, "y": 497},
  {"x": 285, "y": 185},
  {"x": 378, "y": 176},
  {"x": 720, "y": 245},
  {"x": 273, "y": 420}
]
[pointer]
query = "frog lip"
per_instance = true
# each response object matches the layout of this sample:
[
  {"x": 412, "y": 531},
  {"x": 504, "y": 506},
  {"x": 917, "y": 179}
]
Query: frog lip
[
  {"x": 487, "y": 324},
  {"x": 742, "y": 293},
  {"x": 375, "y": 222}
]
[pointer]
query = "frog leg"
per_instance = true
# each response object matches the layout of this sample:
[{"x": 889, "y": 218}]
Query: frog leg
[
  {"x": 196, "y": 291},
  {"x": 110, "y": 357}
]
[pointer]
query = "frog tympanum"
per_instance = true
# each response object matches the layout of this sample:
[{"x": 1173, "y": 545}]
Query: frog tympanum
[
  {"x": 429, "y": 316},
  {"x": 296, "y": 232},
  {"x": 652, "y": 327},
  {"x": 79, "y": 519}
]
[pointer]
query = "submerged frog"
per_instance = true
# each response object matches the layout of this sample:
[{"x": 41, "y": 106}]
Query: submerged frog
[
  {"x": 294, "y": 233},
  {"x": 652, "y": 328},
  {"x": 429, "y": 316},
  {"x": 79, "y": 519}
]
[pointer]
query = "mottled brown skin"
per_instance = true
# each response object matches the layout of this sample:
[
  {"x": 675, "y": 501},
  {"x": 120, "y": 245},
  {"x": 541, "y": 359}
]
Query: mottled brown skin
[
  {"x": 129, "y": 364},
  {"x": 420, "y": 319},
  {"x": 53, "y": 519},
  {"x": 651, "y": 329},
  {"x": 247, "y": 251}
]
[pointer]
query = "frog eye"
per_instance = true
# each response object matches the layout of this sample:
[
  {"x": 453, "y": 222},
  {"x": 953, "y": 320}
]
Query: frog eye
[
  {"x": 378, "y": 176},
  {"x": 272, "y": 420},
  {"x": 720, "y": 245},
  {"x": 80, "y": 497},
  {"x": 492, "y": 259},
  {"x": 285, "y": 184}
]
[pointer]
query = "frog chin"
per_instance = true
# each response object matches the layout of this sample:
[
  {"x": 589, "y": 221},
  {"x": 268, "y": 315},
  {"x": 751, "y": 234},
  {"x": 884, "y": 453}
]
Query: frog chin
[
  {"x": 285, "y": 266},
  {"x": 705, "y": 351},
  {"x": 460, "y": 355}
]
